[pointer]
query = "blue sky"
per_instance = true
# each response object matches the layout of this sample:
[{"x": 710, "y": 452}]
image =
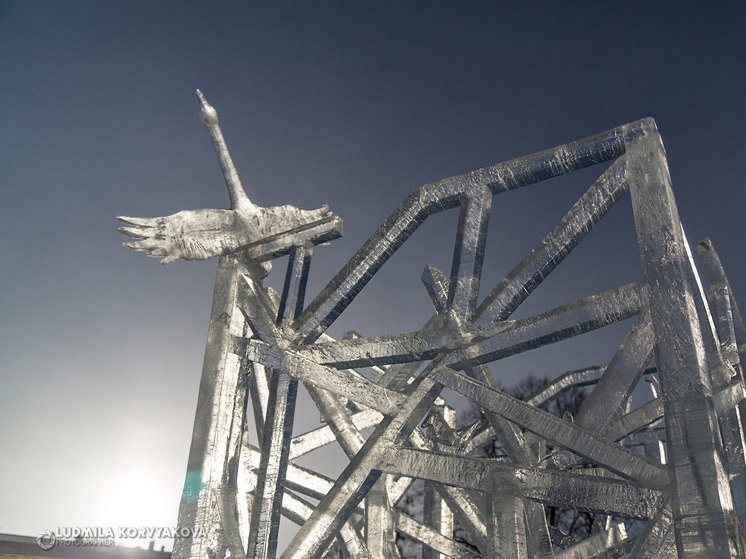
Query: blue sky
[{"x": 350, "y": 104}]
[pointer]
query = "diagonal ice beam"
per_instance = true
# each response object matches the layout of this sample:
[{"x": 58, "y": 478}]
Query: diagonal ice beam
[
  {"x": 591, "y": 547},
  {"x": 603, "y": 407},
  {"x": 322, "y": 436},
  {"x": 280, "y": 244},
  {"x": 298, "y": 510},
  {"x": 608, "y": 400},
  {"x": 445, "y": 194},
  {"x": 552, "y": 249},
  {"x": 552, "y": 326},
  {"x": 719, "y": 298},
  {"x": 380, "y": 350},
  {"x": 257, "y": 310},
  {"x": 299, "y": 479},
  {"x": 351, "y": 440},
  {"x": 360, "y": 475},
  {"x": 639, "y": 418},
  {"x": 656, "y": 538},
  {"x": 515, "y": 445},
  {"x": 557, "y": 431},
  {"x": 259, "y": 393},
  {"x": 586, "y": 492},
  {"x": 571, "y": 379},
  {"x": 436, "y": 285},
  {"x": 436, "y": 541},
  {"x": 507, "y": 338},
  {"x": 340, "y": 382}
]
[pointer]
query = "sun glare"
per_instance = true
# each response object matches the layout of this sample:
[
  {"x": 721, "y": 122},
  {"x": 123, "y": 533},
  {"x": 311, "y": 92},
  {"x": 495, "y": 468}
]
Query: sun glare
[{"x": 139, "y": 513}]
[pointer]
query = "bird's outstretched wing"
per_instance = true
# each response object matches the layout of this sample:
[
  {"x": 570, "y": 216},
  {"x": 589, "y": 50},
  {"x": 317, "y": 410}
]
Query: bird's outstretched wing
[{"x": 202, "y": 234}]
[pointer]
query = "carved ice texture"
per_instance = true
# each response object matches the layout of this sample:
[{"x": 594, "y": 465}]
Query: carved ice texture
[{"x": 684, "y": 494}]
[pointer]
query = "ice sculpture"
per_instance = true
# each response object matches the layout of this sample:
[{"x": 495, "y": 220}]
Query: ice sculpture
[{"x": 687, "y": 490}]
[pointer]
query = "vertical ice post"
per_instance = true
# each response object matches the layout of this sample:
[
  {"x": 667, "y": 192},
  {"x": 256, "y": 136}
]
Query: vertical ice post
[
  {"x": 732, "y": 419},
  {"x": 278, "y": 425},
  {"x": 506, "y": 529},
  {"x": 716, "y": 274},
  {"x": 468, "y": 255},
  {"x": 704, "y": 521},
  {"x": 379, "y": 522},
  {"x": 436, "y": 513},
  {"x": 214, "y": 452}
]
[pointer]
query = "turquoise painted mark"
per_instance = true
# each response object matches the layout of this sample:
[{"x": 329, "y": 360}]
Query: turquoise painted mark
[{"x": 192, "y": 486}]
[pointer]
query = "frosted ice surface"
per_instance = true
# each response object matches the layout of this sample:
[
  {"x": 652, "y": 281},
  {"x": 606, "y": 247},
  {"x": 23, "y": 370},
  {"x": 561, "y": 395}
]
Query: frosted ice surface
[{"x": 654, "y": 481}]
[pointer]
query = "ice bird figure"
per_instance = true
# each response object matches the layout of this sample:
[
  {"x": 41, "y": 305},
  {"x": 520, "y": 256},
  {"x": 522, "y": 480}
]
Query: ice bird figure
[{"x": 204, "y": 233}]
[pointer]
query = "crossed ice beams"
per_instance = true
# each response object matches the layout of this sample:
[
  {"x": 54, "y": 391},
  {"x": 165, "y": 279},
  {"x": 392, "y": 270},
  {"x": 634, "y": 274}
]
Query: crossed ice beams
[
  {"x": 460, "y": 303},
  {"x": 698, "y": 389},
  {"x": 620, "y": 459},
  {"x": 424, "y": 471},
  {"x": 353, "y": 483}
]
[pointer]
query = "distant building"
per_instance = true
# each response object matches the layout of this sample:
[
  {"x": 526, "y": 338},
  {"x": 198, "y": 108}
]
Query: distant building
[{"x": 26, "y": 547}]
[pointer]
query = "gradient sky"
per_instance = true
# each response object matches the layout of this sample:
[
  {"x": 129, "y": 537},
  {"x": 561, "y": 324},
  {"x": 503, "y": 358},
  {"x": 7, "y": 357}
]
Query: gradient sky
[{"x": 347, "y": 103}]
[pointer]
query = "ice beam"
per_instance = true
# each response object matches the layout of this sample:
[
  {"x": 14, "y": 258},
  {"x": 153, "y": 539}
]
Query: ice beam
[{"x": 703, "y": 516}]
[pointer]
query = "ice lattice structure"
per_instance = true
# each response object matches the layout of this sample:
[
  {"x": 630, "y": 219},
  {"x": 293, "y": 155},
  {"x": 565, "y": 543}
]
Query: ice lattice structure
[{"x": 686, "y": 492}]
